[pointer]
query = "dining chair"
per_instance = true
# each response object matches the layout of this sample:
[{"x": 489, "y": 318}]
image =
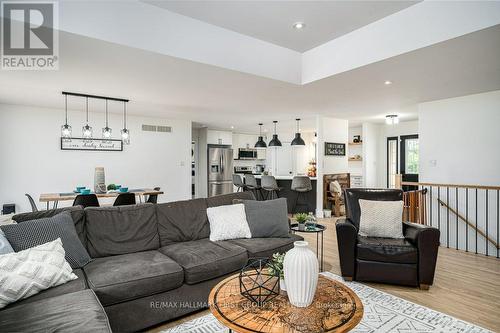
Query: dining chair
[
  {"x": 251, "y": 184},
  {"x": 238, "y": 182},
  {"x": 301, "y": 185},
  {"x": 269, "y": 184},
  {"x": 86, "y": 200},
  {"x": 124, "y": 199},
  {"x": 153, "y": 198},
  {"x": 34, "y": 208}
]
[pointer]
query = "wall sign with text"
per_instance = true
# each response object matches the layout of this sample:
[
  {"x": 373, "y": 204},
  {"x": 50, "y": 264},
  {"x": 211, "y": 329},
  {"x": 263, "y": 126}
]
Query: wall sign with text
[
  {"x": 91, "y": 144},
  {"x": 334, "y": 149}
]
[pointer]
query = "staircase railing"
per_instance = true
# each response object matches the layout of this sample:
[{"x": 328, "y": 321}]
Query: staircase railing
[{"x": 468, "y": 216}]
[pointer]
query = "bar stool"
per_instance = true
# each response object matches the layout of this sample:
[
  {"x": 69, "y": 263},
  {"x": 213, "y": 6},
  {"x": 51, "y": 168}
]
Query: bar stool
[
  {"x": 301, "y": 185},
  {"x": 251, "y": 184},
  {"x": 238, "y": 182},
  {"x": 269, "y": 184}
]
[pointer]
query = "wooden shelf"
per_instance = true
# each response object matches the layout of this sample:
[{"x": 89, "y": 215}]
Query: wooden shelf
[
  {"x": 352, "y": 159},
  {"x": 355, "y": 143}
]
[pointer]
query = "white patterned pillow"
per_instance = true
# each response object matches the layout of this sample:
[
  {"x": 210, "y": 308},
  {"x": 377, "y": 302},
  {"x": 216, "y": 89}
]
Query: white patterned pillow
[
  {"x": 26, "y": 273},
  {"x": 381, "y": 218},
  {"x": 228, "y": 222}
]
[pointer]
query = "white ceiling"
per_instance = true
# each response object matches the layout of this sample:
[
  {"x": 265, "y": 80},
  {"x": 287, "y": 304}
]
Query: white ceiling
[
  {"x": 164, "y": 86},
  {"x": 272, "y": 21}
]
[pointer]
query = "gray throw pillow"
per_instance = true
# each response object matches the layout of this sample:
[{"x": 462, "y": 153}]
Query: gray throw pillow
[
  {"x": 32, "y": 233},
  {"x": 267, "y": 218}
]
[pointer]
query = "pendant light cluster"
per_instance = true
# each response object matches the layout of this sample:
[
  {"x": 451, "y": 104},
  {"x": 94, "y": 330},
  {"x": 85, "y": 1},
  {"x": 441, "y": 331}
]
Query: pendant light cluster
[
  {"x": 87, "y": 131},
  {"x": 275, "y": 142}
]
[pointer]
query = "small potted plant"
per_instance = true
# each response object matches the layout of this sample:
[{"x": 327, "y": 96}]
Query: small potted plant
[
  {"x": 301, "y": 219},
  {"x": 276, "y": 268}
]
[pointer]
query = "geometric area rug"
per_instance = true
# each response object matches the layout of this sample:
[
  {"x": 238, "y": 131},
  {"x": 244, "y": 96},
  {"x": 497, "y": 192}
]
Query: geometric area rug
[{"x": 382, "y": 313}]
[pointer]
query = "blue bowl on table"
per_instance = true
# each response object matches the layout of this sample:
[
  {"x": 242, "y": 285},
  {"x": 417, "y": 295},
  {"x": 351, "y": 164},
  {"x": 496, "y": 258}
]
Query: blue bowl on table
[
  {"x": 123, "y": 189},
  {"x": 85, "y": 191},
  {"x": 80, "y": 188}
]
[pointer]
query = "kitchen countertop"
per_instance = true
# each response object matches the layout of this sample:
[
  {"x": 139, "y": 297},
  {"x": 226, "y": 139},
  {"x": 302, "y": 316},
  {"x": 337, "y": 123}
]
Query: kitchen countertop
[{"x": 286, "y": 177}]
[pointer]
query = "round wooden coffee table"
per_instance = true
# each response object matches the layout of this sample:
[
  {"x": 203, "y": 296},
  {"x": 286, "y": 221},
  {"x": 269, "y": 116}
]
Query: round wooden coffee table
[{"x": 335, "y": 308}]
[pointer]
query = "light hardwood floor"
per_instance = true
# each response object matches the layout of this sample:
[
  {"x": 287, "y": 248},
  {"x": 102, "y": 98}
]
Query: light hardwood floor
[{"x": 466, "y": 286}]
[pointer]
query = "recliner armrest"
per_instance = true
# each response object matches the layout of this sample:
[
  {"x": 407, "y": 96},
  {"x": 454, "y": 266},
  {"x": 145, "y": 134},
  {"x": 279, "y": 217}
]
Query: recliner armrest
[
  {"x": 346, "y": 240},
  {"x": 426, "y": 239}
]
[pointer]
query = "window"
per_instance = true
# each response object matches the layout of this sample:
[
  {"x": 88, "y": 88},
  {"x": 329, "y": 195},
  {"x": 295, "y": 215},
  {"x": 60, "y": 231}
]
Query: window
[{"x": 409, "y": 154}]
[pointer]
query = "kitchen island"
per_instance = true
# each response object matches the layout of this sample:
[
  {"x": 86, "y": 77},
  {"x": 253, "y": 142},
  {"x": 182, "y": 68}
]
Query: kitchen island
[{"x": 285, "y": 182}]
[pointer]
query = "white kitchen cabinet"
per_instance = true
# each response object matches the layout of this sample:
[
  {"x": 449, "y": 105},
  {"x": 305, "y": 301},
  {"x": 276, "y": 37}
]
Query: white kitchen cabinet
[
  {"x": 261, "y": 153},
  {"x": 219, "y": 137},
  {"x": 244, "y": 140}
]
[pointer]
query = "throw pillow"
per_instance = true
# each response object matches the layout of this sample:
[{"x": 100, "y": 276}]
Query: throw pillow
[
  {"x": 381, "y": 218},
  {"x": 4, "y": 244},
  {"x": 228, "y": 222},
  {"x": 28, "y": 272},
  {"x": 25, "y": 235},
  {"x": 267, "y": 218}
]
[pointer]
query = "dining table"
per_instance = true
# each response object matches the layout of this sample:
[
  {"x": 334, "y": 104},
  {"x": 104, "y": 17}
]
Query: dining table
[{"x": 70, "y": 196}]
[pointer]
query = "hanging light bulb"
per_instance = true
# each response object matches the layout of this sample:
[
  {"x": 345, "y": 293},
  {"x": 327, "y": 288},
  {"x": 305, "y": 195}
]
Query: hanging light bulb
[
  {"x": 391, "y": 119},
  {"x": 66, "y": 129},
  {"x": 298, "y": 141},
  {"x": 125, "y": 132},
  {"x": 106, "y": 131},
  {"x": 260, "y": 143},
  {"x": 87, "y": 130},
  {"x": 275, "y": 142}
]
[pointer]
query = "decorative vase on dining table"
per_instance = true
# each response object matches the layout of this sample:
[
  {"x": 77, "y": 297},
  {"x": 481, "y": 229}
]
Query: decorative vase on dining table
[
  {"x": 99, "y": 180},
  {"x": 301, "y": 271}
]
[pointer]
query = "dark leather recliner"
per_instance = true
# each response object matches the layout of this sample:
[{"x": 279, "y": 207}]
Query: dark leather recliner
[{"x": 410, "y": 261}]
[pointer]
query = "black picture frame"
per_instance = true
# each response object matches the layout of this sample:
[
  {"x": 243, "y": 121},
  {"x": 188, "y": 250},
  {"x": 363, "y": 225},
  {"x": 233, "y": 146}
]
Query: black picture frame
[
  {"x": 334, "y": 149},
  {"x": 119, "y": 144}
]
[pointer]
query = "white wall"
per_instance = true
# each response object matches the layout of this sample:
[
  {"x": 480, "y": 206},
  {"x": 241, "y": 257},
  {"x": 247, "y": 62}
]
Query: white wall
[
  {"x": 371, "y": 135},
  {"x": 462, "y": 136},
  {"x": 32, "y": 161},
  {"x": 459, "y": 144},
  {"x": 329, "y": 130}
]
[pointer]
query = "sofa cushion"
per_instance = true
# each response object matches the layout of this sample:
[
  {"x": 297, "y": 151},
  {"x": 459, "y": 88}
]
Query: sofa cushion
[
  {"x": 204, "y": 260},
  {"x": 23, "y": 236},
  {"x": 267, "y": 218},
  {"x": 392, "y": 250},
  {"x": 129, "y": 276},
  {"x": 69, "y": 287},
  {"x": 182, "y": 221},
  {"x": 265, "y": 247},
  {"x": 121, "y": 229},
  {"x": 77, "y": 214},
  {"x": 227, "y": 199},
  {"x": 228, "y": 222},
  {"x": 75, "y": 312}
]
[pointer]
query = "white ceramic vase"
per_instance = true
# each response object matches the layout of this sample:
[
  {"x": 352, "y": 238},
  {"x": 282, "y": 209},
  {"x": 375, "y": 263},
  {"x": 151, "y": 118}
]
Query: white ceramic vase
[
  {"x": 301, "y": 274},
  {"x": 282, "y": 285}
]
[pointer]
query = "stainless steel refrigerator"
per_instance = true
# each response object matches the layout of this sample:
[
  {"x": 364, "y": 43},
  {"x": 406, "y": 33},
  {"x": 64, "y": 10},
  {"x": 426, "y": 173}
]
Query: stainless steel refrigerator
[{"x": 220, "y": 170}]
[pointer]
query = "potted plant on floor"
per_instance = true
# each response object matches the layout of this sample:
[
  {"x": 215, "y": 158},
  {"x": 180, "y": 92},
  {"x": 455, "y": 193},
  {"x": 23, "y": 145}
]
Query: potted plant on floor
[
  {"x": 301, "y": 219},
  {"x": 276, "y": 269}
]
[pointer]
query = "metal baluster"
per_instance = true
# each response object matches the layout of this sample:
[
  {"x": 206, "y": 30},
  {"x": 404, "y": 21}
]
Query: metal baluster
[
  {"x": 448, "y": 217},
  {"x": 456, "y": 207},
  {"x": 486, "y": 221},
  {"x": 467, "y": 219},
  {"x": 476, "y": 220},
  {"x": 439, "y": 208}
]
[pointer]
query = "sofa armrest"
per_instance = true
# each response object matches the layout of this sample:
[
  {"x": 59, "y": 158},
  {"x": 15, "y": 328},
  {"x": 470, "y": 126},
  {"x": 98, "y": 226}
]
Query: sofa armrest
[
  {"x": 426, "y": 239},
  {"x": 346, "y": 241}
]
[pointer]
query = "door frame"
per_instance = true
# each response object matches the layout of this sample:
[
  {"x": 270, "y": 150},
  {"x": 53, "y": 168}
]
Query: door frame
[
  {"x": 402, "y": 149},
  {"x": 392, "y": 138}
]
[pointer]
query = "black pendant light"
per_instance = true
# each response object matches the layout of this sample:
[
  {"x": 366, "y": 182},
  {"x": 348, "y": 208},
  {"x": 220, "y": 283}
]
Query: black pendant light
[
  {"x": 260, "y": 143},
  {"x": 275, "y": 142},
  {"x": 298, "y": 141},
  {"x": 87, "y": 130},
  {"x": 106, "y": 131},
  {"x": 125, "y": 132}
]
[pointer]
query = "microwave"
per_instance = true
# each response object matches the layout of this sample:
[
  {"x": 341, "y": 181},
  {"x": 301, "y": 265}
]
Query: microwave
[{"x": 247, "y": 154}]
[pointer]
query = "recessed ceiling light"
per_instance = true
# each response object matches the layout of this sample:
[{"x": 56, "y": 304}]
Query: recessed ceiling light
[
  {"x": 299, "y": 25},
  {"x": 387, "y": 82},
  {"x": 232, "y": 127}
]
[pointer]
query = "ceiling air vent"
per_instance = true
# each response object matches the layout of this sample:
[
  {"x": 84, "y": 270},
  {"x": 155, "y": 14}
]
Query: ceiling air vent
[
  {"x": 149, "y": 128},
  {"x": 164, "y": 129}
]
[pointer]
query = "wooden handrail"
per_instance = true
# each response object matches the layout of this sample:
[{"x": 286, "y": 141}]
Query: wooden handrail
[
  {"x": 479, "y": 231},
  {"x": 479, "y": 187}
]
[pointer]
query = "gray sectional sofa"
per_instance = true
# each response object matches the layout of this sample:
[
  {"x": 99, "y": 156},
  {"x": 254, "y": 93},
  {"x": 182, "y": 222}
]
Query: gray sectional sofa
[{"x": 151, "y": 263}]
